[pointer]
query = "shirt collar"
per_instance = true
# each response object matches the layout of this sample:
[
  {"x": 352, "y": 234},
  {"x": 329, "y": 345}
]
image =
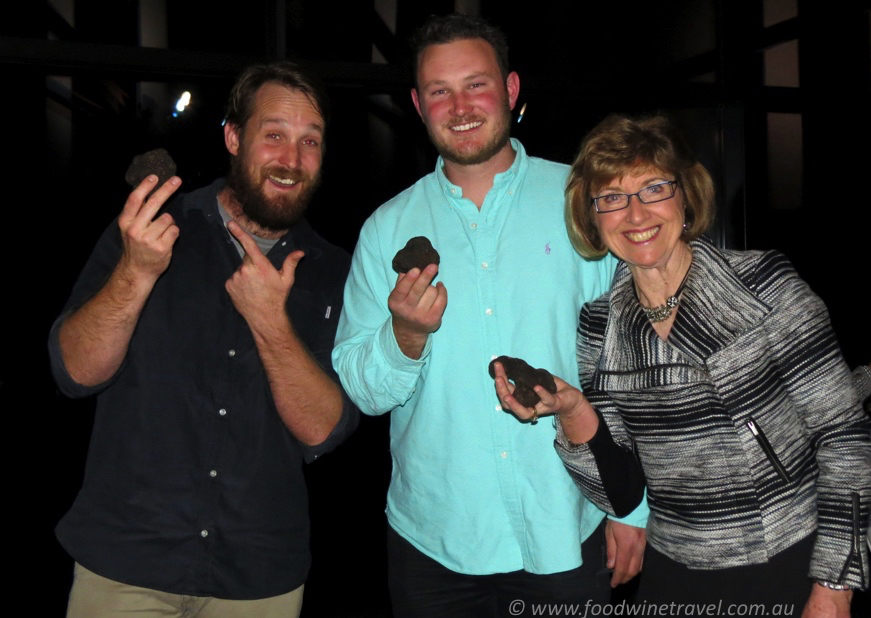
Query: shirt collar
[{"x": 511, "y": 175}]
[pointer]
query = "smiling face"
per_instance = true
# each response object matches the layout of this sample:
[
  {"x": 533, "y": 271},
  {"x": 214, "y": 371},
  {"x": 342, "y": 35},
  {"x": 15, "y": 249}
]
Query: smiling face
[
  {"x": 643, "y": 235},
  {"x": 464, "y": 101},
  {"x": 277, "y": 157}
]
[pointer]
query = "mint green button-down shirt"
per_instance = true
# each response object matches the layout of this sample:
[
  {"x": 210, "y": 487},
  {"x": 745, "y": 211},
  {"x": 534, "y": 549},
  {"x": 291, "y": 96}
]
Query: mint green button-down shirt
[{"x": 471, "y": 486}]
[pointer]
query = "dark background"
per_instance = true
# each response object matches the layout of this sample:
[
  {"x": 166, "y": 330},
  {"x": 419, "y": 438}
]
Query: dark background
[{"x": 773, "y": 94}]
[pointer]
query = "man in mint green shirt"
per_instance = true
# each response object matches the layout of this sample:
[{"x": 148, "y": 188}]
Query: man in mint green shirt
[{"x": 481, "y": 510}]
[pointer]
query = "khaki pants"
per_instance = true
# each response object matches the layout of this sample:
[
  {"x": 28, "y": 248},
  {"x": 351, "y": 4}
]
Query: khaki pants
[{"x": 94, "y": 596}]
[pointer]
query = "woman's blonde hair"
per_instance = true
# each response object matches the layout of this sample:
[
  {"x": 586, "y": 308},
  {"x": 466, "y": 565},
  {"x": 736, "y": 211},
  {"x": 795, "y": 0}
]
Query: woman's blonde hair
[{"x": 617, "y": 146}]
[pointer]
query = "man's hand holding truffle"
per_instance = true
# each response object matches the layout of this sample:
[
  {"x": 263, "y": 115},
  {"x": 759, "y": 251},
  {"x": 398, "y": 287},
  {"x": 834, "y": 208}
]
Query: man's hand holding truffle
[
  {"x": 416, "y": 308},
  {"x": 578, "y": 419},
  {"x": 148, "y": 241},
  {"x": 94, "y": 339}
]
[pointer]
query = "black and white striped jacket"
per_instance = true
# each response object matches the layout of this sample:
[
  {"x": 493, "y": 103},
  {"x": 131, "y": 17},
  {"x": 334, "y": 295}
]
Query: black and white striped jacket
[{"x": 745, "y": 421}]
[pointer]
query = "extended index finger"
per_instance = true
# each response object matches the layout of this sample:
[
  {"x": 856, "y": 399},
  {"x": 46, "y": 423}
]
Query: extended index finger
[
  {"x": 138, "y": 203},
  {"x": 252, "y": 251}
]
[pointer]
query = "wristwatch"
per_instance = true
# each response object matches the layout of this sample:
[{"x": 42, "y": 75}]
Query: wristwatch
[{"x": 832, "y": 586}]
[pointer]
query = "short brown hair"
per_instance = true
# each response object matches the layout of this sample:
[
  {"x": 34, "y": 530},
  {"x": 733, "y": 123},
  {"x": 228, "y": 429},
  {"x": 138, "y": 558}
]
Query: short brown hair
[
  {"x": 443, "y": 29},
  {"x": 240, "y": 105},
  {"x": 615, "y": 147}
]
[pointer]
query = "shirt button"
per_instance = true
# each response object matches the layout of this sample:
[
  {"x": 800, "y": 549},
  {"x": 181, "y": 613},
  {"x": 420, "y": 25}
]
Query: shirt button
[
  {"x": 232, "y": 353},
  {"x": 453, "y": 191},
  {"x": 488, "y": 311},
  {"x": 510, "y": 191},
  {"x": 213, "y": 473},
  {"x": 497, "y": 408},
  {"x": 204, "y": 533},
  {"x": 484, "y": 265},
  {"x": 474, "y": 226},
  {"x": 222, "y": 412},
  {"x": 503, "y": 455}
]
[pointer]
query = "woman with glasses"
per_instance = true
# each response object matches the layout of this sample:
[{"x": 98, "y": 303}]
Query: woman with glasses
[{"x": 719, "y": 372}]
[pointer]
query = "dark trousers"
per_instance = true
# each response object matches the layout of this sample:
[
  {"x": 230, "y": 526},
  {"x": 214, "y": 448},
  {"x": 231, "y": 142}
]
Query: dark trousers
[
  {"x": 420, "y": 587},
  {"x": 782, "y": 581}
]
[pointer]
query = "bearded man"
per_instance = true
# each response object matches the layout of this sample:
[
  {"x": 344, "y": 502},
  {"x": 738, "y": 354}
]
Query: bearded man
[
  {"x": 484, "y": 520},
  {"x": 205, "y": 332}
]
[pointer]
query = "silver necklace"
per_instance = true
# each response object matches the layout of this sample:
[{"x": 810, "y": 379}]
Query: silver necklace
[{"x": 662, "y": 313}]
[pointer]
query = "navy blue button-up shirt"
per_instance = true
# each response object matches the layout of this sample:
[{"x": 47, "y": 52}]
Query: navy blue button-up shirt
[{"x": 193, "y": 484}]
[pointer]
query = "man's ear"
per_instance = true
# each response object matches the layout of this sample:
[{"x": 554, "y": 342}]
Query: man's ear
[
  {"x": 416, "y": 102},
  {"x": 231, "y": 138},
  {"x": 512, "y": 85}
]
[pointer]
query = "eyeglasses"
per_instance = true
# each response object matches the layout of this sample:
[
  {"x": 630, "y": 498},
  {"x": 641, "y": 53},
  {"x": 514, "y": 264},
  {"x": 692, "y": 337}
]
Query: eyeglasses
[{"x": 648, "y": 195}]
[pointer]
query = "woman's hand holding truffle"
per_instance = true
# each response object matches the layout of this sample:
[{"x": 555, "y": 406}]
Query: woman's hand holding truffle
[
  {"x": 416, "y": 307},
  {"x": 577, "y": 417}
]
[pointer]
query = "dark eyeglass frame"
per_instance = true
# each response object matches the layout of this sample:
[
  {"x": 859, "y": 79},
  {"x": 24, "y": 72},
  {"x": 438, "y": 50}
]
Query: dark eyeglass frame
[{"x": 671, "y": 183}]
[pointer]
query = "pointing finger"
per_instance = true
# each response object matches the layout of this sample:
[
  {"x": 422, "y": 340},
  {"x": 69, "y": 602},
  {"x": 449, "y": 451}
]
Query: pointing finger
[
  {"x": 164, "y": 191},
  {"x": 136, "y": 199},
  {"x": 136, "y": 206},
  {"x": 248, "y": 244}
]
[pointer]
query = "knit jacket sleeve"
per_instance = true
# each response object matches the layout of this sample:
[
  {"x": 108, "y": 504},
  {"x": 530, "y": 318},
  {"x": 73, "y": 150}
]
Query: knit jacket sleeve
[
  {"x": 818, "y": 381},
  {"x": 606, "y": 468}
]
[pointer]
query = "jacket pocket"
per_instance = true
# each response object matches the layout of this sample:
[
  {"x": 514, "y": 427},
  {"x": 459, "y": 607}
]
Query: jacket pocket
[{"x": 757, "y": 432}]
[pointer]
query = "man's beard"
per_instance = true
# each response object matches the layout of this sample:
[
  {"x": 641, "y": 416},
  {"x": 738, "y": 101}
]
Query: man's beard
[
  {"x": 460, "y": 156},
  {"x": 272, "y": 213}
]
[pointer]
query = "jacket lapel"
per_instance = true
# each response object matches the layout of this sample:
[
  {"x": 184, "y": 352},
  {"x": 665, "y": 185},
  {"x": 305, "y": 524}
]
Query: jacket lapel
[{"x": 715, "y": 309}]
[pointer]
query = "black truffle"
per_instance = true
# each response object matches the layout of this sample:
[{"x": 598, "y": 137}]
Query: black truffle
[
  {"x": 152, "y": 162},
  {"x": 524, "y": 378},
  {"x": 417, "y": 253}
]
